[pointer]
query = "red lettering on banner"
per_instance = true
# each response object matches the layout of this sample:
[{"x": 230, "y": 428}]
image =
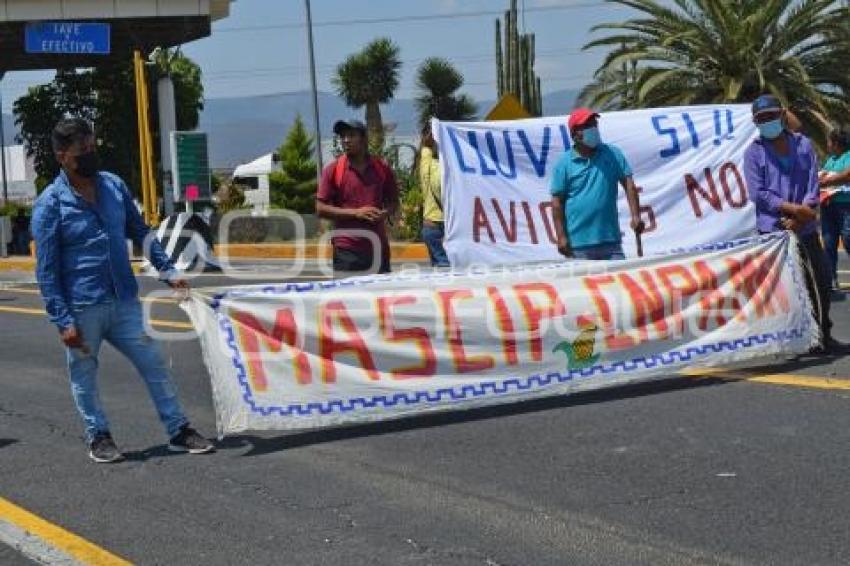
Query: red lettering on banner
[
  {"x": 479, "y": 220},
  {"x": 535, "y": 314},
  {"x": 506, "y": 326},
  {"x": 510, "y": 223},
  {"x": 613, "y": 340},
  {"x": 462, "y": 362},
  {"x": 250, "y": 333},
  {"x": 510, "y": 232},
  {"x": 532, "y": 232},
  {"x": 711, "y": 303},
  {"x": 650, "y": 225},
  {"x": 751, "y": 277},
  {"x": 677, "y": 292},
  {"x": 418, "y": 335},
  {"x": 546, "y": 212},
  {"x": 741, "y": 279},
  {"x": 330, "y": 345},
  {"x": 710, "y": 196},
  {"x": 648, "y": 304},
  {"x": 725, "y": 170}
]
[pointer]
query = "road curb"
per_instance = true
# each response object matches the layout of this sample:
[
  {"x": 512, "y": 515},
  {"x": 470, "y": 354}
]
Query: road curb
[
  {"x": 27, "y": 265},
  {"x": 399, "y": 251}
]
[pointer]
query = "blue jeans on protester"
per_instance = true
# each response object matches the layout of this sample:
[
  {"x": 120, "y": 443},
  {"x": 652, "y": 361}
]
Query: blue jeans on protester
[
  {"x": 120, "y": 324},
  {"x": 835, "y": 223},
  {"x": 600, "y": 251},
  {"x": 433, "y": 234}
]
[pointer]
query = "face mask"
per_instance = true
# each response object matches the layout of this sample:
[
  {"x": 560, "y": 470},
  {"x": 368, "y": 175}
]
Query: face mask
[
  {"x": 87, "y": 165},
  {"x": 590, "y": 137},
  {"x": 771, "y": 130}
]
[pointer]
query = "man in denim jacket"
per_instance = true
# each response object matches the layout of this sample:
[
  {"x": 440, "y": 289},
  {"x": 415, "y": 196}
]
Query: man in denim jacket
[{"x": 80, "y": 224}]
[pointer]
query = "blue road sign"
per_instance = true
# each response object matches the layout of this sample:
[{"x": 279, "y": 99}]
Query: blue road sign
[{"x": 69, "y": 38}]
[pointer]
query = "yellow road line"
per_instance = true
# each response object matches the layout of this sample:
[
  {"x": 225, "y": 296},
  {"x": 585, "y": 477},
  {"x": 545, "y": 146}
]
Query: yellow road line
[
  {"x": 154, "y": 322},
  {"x": 812, "y": 381},
  {"x": 791, "y": 379},
  {"x": 172, "y": 324},
  {"x": 57, "y": 537},
  {"x": 37, "y": 292}
]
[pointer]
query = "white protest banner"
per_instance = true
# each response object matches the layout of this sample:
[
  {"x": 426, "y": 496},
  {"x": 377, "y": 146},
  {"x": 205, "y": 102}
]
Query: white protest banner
[
  {"x": 687, "y": 162},
  {"x": 307, "y": 355}
]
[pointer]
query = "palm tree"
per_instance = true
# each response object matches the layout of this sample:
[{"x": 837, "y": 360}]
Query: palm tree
[
  {"x": 717, "y": 51},
  {"x": 439, "y": 82},
  {"x": 369, "y": 78}
]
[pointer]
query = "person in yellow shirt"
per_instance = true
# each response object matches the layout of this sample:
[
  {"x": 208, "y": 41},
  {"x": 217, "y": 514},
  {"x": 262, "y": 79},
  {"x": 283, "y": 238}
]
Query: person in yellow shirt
[{"x": 430, "y": 174}]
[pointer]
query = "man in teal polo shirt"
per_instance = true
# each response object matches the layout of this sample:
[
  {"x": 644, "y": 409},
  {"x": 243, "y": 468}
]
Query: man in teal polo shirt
[
  {"x": 834, "y": 180},
  {"x": 584, "y": 193}
]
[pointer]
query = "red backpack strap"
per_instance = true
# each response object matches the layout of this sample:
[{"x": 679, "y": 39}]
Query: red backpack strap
[
  {"x": 382, "y": 168},
  {"x": 340, "y": 166}
]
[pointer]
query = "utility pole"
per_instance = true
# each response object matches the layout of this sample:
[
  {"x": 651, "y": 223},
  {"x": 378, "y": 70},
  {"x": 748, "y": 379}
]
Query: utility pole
[
  {"x": 318, "y": 132},
  {"x": 3, "y": 148},
  {"x": 162, "y": 58}
]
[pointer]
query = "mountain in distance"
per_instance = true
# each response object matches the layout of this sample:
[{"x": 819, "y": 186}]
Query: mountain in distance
[{"x": 243, "y": 128}]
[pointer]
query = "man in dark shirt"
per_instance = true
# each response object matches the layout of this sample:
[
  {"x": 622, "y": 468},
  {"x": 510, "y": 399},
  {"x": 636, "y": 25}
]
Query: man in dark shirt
[{"x": 359, "y": 193}]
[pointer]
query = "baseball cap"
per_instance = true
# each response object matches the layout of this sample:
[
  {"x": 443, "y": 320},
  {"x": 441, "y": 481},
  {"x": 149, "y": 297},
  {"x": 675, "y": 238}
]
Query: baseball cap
[
  {"x": 766, "y": 103},
  {"x": 580, "y": 116},
  {"x": 341, "y": 126}
]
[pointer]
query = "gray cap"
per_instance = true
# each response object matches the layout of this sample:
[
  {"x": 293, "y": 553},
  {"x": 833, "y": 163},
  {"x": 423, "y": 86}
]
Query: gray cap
[{"x": 342, "y": 126}]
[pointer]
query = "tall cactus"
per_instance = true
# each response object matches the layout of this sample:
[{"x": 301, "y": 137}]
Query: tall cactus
[
  {"x": 515, "y": 63},
  {"x": 500, "y": 76}
]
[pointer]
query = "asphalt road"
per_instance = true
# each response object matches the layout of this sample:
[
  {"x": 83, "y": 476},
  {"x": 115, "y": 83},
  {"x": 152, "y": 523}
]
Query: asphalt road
[{"x": 680, "y": 471}]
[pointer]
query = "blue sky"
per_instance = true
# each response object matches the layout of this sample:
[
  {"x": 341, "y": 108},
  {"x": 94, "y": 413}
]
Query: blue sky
[{"x": 261, "y": 48}]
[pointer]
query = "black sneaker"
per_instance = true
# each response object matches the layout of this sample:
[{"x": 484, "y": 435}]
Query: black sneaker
[
  {"x": 102, "y": 449},
  {"x": 188, "y": 440}
]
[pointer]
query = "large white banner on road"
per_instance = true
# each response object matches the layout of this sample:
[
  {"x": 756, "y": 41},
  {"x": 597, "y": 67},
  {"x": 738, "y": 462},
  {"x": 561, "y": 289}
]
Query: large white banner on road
[
  {"x": 687, "y": 161},
  {"x": 307, "y": 355}
]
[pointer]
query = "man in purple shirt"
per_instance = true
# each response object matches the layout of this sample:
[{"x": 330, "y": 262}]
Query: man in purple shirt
[{"x": 782, "y": 178}]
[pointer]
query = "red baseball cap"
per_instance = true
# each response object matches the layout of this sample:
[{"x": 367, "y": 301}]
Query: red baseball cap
[{"x": 580, "y": 116}]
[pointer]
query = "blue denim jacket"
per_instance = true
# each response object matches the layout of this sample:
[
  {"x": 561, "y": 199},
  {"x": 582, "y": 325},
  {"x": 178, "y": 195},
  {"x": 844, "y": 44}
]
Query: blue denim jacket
[{"x": 81, "y": 249}]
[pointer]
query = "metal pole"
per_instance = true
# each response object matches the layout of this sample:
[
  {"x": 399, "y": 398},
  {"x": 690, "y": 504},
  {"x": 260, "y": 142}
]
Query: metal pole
[
  {"x": 3, "y": 149},
  {"x": 167, "y": 124},
  {"x": 318, "y": 132},
  {"x": 137, "y": 67}
]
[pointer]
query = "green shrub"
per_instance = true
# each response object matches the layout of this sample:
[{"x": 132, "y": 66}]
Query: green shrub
[{"x": 294, "y": 187}]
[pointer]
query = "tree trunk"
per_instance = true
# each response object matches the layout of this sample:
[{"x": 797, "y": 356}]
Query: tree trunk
[{"x": 375, "y": 124}]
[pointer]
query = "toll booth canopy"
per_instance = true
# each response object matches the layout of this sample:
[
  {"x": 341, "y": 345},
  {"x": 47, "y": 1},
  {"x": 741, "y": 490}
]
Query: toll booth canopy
[{"x": 50, "y": 34}]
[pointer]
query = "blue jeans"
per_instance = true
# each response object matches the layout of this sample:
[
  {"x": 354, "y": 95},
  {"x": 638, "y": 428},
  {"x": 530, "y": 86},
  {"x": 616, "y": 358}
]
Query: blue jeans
[
  {"x": 120, "y": 324},
  {"x": 834, "y": 223},
  {"x": 433, "y": 234},
  {"x": 600, "y": 251}
]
